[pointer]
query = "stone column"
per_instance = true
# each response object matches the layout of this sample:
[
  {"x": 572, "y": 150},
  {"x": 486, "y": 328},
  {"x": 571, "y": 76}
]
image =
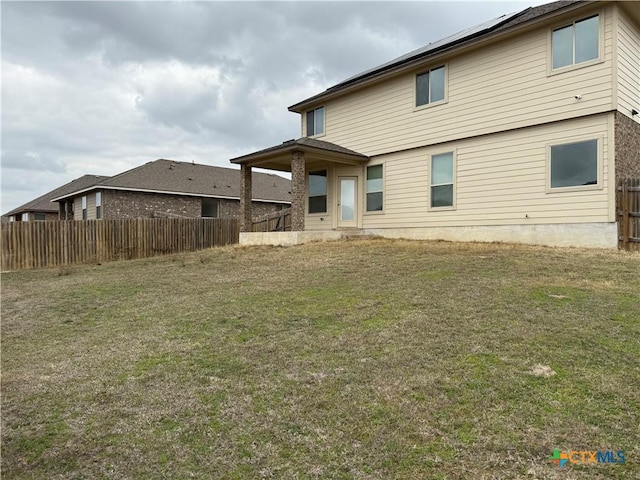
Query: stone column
[
  {"x": 69, "y": 208},
  {"x": 62, "y": 210},
  {"x": 298, "y": 191},
  {"x": 246, "y": 219}
]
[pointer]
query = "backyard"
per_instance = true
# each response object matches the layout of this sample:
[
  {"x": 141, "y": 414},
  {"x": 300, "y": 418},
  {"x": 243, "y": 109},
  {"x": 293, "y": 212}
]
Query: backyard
[{"x": 363, "y": 359}]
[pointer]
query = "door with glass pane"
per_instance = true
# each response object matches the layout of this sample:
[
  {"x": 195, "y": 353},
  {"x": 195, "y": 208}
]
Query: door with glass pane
[{"x": 348, "y": 202}]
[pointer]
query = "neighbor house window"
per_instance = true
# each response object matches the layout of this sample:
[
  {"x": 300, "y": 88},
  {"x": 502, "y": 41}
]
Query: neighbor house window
[
  {"x": 374, "y": 188},
  {"x": 576, "y": 43},
  {"x": 430, "y": 86},
  {"x": 98, "y": 204},
  {"x": 318, "y": 191},
  {"x": 25, "y": 217},
  {"x": 315, "y": 122},
  {"x": 12, "y": 218},
  {"x": 210, "y": 207},
  {"x": 442, "y": 180},
  {"x": 39, "y": 217},
  {"x": 574, "y": 164},
  {"x": 84, "y": 207}
]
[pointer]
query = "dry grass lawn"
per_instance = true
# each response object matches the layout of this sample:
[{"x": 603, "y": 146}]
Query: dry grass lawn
[{"x": 364, "y": 359}]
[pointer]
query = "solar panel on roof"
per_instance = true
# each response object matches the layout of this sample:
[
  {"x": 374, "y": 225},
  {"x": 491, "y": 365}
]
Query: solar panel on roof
[{"x": 469, "y": 32}]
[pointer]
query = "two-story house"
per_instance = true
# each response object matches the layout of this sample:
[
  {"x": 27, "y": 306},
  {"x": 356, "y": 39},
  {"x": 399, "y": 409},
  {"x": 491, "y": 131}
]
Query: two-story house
[{"x": 515, "y": 130}]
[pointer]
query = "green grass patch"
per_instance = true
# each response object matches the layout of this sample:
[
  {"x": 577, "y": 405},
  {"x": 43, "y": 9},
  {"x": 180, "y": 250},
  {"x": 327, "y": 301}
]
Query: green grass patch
[{"x": 379, "y": 359}]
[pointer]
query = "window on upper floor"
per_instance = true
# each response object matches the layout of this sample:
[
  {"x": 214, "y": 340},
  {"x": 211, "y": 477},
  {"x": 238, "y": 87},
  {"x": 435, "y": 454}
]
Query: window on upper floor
[
  {"x": 374, "y": 188},
  {"x": 318, "y": 191},
  {"x": 25, "y": 217},
  {"x": 573, "y": 164},
  {"x": 443, "y": 180},
  {"x": 576, "y": 43},
  {"x": 430, "y": 86},
  {"x": 315, "y": 122}
]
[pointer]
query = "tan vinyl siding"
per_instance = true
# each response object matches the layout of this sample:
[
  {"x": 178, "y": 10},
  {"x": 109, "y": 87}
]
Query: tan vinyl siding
[
  {"x": 628, "y": 65},
  {"x": 502, "y": 86},
  {"x": 77, "y": 208},
  {"x": 91, "y": 206},
  {"x": 500, "y": 179}
]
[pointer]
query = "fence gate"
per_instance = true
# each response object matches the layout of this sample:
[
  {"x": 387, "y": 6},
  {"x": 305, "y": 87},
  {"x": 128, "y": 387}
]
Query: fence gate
[{"x": 628, "y": 213}]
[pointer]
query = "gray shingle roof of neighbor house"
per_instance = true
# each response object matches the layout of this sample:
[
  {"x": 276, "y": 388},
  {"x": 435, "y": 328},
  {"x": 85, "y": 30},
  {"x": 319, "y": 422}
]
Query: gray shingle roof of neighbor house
[
  {"x": 304, "y": 143},
  {"x": 44, "y": 202},
  {"x": 192, "y": 179},
  {"x": 467, "y": 37}
]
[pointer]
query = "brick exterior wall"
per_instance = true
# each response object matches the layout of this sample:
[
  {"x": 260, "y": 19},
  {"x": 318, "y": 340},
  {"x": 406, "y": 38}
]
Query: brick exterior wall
[
  {"x": 627, "y": 133},
  {"x": 123, "y": 204}
]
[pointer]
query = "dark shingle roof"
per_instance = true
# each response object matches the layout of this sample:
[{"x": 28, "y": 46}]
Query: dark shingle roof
[
  {"x": 184, "y": 178},
  {"x": 291, "y": 145},
  {"x": 44, "y": 204},
  {"x": 467, "y": 36}
]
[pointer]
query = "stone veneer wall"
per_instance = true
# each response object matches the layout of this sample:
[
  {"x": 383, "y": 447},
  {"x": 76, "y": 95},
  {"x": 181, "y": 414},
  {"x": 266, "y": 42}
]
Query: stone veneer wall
[
  {"x": 627, "y": 137},
  {"x": 123, "y": 204}
]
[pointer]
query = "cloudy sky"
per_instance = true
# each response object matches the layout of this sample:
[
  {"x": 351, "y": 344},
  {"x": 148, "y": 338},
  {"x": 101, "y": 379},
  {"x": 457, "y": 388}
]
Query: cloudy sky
[{"x": 101, "y": 87}]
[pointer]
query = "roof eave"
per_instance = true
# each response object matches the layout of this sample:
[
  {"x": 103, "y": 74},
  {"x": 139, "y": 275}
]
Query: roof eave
[{"x": 408, "y": 64}]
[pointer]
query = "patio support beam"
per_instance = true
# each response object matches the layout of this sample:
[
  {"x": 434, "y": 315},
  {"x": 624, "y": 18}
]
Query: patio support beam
[
  {"x": 298, "y": 191},
  {"x": 246, "y": 220}
]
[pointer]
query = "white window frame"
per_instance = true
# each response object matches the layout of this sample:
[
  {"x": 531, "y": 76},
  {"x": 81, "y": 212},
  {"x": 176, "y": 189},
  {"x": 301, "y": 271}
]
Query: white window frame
[
  {"x": 324, "y": 121},
  {"x": 366, "y": 190},
  {"x": 446, "y": 87},
  {"x": 454, "y": 155},
  {"x": 575, "y": 66},
  {"x": 599, "y": 164}
]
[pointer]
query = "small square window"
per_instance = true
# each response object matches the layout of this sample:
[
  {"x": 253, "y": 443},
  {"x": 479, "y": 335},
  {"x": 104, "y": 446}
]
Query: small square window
[
  {"x": 430, "y": 86},
  {"x": 574, "y": 164},
  {"x": 210, "y": 207},
  {"x": 315, "y": 122}
]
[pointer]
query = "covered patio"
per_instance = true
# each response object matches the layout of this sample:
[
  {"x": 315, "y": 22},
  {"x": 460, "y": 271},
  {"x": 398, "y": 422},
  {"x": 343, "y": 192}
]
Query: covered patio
[{"x": 298, "y": 157}]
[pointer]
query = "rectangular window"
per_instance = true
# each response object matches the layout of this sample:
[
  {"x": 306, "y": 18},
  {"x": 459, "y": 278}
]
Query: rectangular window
[
  {"x": 40, "y": 217},
  {"x": 430, "y": 86},
  {"x": 210, "y": 207},
  {"x": 98, "y": 205},
  {"x": 576, "y": 43},
  {"x": 574, "y": 164},
  {"x": 84, "y": 207},
  {"x": 374, "y": 188},
  {"x": 318, "y": 191},
  {"x": 25, "y": 217},
  {"x": 442, "y": 174},
  {"x": 315, "y": 122}
]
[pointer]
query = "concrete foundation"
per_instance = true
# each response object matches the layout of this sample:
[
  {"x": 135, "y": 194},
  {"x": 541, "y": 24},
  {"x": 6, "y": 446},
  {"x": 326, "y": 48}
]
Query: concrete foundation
[
  {"x": 287, "y": 238},
  {"x": 589, "y": 235}
]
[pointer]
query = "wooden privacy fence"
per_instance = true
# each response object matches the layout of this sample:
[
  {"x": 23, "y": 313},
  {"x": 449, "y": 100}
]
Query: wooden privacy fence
[
  {"x": 48, "y": 244},
  {"x": 628, "y": 211},
  {"x": 273, "y": 222}
]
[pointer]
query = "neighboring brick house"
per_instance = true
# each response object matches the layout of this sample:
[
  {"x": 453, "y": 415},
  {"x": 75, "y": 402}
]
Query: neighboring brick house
[
  {"x": 170, "y": 188},
  {"x": 42, "y": 208}
]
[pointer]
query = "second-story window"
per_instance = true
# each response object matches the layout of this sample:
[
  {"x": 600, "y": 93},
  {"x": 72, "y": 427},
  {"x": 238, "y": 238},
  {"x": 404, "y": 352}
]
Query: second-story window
[
  {"x": 315, "y": 122},
  {"x": 430, "y": 86},
  {"x": 576, "y": 43}
]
